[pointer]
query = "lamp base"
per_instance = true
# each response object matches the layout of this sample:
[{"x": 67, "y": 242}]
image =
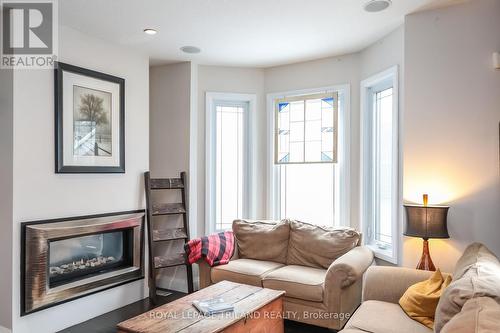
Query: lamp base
[{"x": 425, "y": 262}]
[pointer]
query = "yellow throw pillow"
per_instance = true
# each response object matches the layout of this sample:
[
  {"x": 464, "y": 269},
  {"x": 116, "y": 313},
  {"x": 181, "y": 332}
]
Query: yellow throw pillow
[{"x": 420, "y": 300}]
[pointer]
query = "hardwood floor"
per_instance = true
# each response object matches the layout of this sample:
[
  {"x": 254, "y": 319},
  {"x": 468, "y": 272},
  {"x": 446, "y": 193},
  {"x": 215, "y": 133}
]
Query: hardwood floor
[{"x": 106, "y": 323}]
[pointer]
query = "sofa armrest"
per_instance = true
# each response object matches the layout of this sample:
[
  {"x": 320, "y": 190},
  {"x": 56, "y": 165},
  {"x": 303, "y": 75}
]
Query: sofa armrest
[
  {"x": 204, "y": 273},
  {"x": 388, "y": 284},
  {"x": 349, "y": 268},
  {"x": 204, "y": 269},
  {"x": 343, "y": 283},
  {"x": 235, "y": 251}
]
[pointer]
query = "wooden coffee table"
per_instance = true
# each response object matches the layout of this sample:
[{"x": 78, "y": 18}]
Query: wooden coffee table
[{"x": 255, "y": 309}]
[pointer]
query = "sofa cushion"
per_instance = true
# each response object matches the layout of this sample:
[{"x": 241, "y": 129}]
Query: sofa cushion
[
  {"x": 473, "y": 254},
  {"x": 262, "y": 240},
  {"x": 480, "y": 279},
  {"x": 420, "y": 300},
  {"x": 478, "y": 315},
  {"x": 316, "y": 246},
  {"x": 298, "y": 281},
  {"x": 247, "y": 271},
  {"x": 383, "y": 317}
]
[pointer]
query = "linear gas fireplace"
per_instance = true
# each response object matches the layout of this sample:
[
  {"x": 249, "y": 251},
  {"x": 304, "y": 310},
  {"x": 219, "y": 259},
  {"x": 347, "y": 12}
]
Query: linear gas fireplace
[{"x": 65, "y": 259}]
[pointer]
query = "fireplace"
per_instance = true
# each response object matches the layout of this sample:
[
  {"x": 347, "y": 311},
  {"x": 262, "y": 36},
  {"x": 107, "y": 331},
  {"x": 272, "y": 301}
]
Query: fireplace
[
  {"x": 65, "y": 259},
  {"x": 76, "y": 258}
]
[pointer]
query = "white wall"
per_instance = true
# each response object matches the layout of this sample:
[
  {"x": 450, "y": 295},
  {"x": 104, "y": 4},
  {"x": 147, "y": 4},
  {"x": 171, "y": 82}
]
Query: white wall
[
  {"x": 39, "y": 193},
  {"x": 383, "y": 54},
  {"x": 451, "y": 124},
  {"x": 232, "y": 80},
  {"x": 170, "y": 104},
  {"x": 6, "y": 141}
]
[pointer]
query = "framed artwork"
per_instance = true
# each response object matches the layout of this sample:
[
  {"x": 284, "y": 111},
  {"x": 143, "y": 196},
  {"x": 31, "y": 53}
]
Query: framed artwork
[{"x": 89, "y": 121}]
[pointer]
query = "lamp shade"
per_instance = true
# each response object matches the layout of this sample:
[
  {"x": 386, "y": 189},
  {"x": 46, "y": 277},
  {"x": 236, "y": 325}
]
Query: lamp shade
[{"x": 426, "y": 221}]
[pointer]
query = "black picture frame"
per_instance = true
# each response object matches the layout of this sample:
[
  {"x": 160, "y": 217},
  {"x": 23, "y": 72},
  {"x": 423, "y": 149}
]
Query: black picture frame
[{"x": 60, "y": 68}]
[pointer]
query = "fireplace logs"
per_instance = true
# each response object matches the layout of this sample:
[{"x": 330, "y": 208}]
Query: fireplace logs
[{"x": 81, "y": 265}]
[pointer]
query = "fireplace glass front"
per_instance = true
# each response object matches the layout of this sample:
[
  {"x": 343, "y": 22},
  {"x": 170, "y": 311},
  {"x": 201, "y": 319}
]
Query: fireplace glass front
[{"x": 76, "y": 258}]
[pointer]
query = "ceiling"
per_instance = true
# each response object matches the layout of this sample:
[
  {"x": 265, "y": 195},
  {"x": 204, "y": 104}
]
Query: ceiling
[{"x": 257, "y": 33}]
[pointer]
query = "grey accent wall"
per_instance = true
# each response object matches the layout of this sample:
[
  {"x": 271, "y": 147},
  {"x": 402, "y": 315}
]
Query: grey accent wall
[{"x": 451, "y": 124}]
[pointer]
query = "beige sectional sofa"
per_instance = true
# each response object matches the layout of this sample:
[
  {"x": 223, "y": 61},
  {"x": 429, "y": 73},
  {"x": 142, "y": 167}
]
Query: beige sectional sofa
[
  {"x": 320, "y": 269},
  {"x": 470, "y": 304}
]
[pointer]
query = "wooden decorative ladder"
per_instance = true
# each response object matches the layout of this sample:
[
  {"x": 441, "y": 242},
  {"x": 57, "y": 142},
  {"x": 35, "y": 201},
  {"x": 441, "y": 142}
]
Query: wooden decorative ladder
[{"x": 160, "y": 235}]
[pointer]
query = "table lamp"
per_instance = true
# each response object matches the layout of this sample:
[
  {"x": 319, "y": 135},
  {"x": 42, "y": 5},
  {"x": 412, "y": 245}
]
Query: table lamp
[{"x": 426, "y": 222}]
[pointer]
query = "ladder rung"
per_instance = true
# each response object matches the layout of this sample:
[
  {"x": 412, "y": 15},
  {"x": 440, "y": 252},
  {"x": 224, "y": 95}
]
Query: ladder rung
[
  {"x": 162, "y": 235},
  {"x": 163, "y": 292},
  {"x": 168, "y": 209},
  {"x": 166, "y": 183},
  {"x": 177, "y": 259}
]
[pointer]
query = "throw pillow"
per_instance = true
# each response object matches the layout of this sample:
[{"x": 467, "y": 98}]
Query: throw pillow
[
  {"x": 421, "y": 299},
  {"x": 474, "y": 253},
  {"x": 481, "y": 279},
  {"x": 478, "y": 315},
  {"x": 262, "y": 240},
  {"x": 316, "y": 246}
]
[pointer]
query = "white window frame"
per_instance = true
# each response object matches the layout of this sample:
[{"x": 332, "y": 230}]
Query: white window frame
[
  {"x": 211, "y": 101},
  {"x": 388, "y": 77},
  {"x": 343, "y": 153}
]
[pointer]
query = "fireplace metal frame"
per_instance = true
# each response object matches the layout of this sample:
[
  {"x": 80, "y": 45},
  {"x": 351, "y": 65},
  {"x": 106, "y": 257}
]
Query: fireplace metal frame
[{"x": 36, "y": 294}]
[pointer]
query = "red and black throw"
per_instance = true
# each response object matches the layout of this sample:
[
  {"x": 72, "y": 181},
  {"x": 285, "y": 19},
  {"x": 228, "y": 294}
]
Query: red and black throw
[{"x": 216, "y": 249}]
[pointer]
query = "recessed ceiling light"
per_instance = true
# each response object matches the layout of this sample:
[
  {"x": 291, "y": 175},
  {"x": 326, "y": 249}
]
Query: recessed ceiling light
[
  {"x": 190, "y": 49},
  {"x": 150, "y": 31},
  {"x": 374, "y": 6}
]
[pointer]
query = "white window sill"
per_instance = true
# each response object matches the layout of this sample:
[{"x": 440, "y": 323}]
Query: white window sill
[{"x": 384, "y": 254}]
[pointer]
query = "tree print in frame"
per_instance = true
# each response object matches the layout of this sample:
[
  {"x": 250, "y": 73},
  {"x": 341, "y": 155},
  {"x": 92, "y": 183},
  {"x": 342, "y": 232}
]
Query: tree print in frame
[{"x": 89, "y": 121}]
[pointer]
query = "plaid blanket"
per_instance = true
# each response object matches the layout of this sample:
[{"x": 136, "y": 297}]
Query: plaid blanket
[{"x": 216, "y": 249}]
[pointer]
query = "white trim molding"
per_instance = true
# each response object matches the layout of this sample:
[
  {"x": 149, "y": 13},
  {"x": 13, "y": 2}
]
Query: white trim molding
[
  {"x": 344, "y": 152},
  {"x": 249, "y": 194},
  {"x": 193, "y": 153},
  {"x": 386, "y": 78}
]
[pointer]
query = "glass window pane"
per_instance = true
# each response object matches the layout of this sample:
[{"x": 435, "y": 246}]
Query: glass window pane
[
  {"x": 327, "y": 141},
  {"x": 297, "y": 111},
  {"x": 229, "y": 164},
  {"x": 313, "y": 109},
  {"x": 296, "y": 152},
  {"x": 284, "y": 143},
  {"x": 297, "y": 132},
  {"x": 305, "y": 121},
  {"x": 384, "y": 166},
  {"x": 307, "y": 193},
  {"x": 284, "y": 120},
  {"x": 327, "y": 117},
  {"x": 313, "y": 151},
  {"x": 313, "y": 131}
]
